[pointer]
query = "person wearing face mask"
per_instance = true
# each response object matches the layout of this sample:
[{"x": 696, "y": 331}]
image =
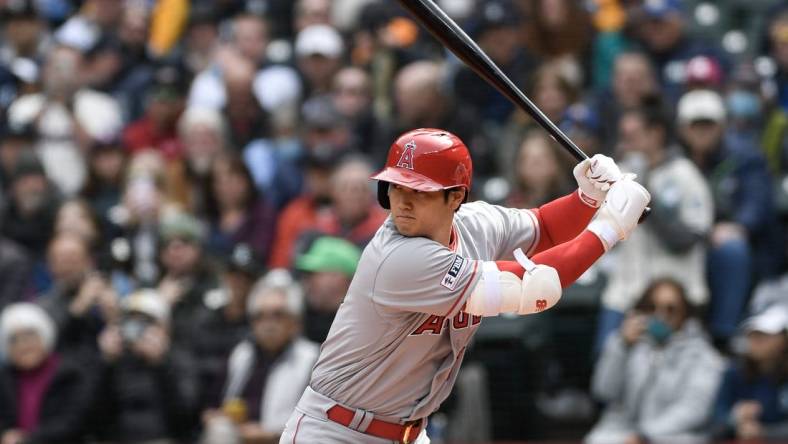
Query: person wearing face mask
[
  {"x": 745, "y": 105},
  {"x": 658, "y": 374}
]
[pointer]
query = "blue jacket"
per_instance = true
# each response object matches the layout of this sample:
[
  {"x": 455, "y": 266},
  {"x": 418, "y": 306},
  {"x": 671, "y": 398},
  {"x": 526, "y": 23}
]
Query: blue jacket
[
  {"x": 772, "y": 396},
  {"x": 741, "y": 186}
]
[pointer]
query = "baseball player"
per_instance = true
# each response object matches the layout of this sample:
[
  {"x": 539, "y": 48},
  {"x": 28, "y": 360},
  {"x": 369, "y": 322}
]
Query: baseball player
[{"x": 433, "y": 270}]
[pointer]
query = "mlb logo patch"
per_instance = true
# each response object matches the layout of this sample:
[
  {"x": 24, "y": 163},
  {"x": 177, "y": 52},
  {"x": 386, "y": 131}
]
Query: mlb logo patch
[{"x": 452, "y": 276}]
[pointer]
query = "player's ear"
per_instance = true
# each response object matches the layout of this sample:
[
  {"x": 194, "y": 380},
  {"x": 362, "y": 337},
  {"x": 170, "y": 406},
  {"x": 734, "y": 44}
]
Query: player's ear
[{"x": 455, "y": 197}]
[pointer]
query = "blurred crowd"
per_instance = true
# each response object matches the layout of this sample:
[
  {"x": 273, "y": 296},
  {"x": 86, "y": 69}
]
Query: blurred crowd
[{"x": 184, "y": 198}]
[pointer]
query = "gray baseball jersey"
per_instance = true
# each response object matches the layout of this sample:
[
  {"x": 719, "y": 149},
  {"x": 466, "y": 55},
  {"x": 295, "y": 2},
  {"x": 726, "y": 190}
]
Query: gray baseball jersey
[{"x": 400, "y": 335}]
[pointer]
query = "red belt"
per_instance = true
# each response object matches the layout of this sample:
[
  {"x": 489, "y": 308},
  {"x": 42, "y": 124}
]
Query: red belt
[{"x": 401, "y": 433}]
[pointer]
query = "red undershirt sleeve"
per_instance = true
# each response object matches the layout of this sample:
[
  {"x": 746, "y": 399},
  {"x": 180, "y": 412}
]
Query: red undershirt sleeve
[
  {"x": 571, "y": 259},
  {"x": 561, "y": 220}
]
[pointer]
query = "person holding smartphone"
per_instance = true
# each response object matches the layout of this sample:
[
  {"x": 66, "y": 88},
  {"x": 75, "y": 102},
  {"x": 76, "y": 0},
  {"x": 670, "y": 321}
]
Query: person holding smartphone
[{"x": 658, "y": 374}]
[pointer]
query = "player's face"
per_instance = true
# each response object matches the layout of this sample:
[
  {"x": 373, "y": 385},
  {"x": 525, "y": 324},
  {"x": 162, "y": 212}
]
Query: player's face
[{"x": 423, "y": 213}]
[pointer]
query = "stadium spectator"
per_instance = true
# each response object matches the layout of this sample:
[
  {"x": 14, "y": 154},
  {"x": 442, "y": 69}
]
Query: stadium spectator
[
  {"x": 272, "y": 86},
  {"x": 583, "y": 126},
  {"x": 67, "y": 117},
  {"x": 29, "y": 213},
  {"x": 157, "y": 129},
  {"x": 537, "y": 173},
  {"x": 45, "y": 396},
  {"x": 350, "y": 211},
  {"x": 106, "y": 176},
  {"x": 200, "y": 37},
  {"x": 80, "y": 300},
  {"x": 236, "y": 212},
  {"x": 351, "y": 93},
  {"x": 122, "y": 64},
  {"x": 225, "y": 318},
  {"x": 671, "y": 242},
  {"x": 267, "y": 373},
  {"x": 302, "y": 213},
  {"x": 356, "y": 214},
  {"x": 743, "y": 241},
  {"x": 559, "y": 32},
  {"x": 749, "y": 403},
  {"x": 329, "y": 264},
  {"x": 205, "y": 135},
  {"x": 94, "y": 21},
  {"x": 16, "y": 140},
  {"x": 15, "y": 272},
  {"x": 147, "y": 386},
  {"x": 633, "y": 82},
  {"x": 496, "y": 25},
  {"x": 662, "y": 28},
  {"x": 75, "y": 217},
  {"x": 186, "y": 274},
  {"x": 658, "y": 374},
  {"x": 318, "y": 50},
  {"x": 23, "y": 48}
]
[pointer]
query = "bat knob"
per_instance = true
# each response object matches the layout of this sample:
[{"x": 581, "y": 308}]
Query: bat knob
[{"x": 645, "y": 214}]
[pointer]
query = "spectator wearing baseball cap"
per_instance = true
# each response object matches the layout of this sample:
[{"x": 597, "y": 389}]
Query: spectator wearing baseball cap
[
  {"x": 328, "y": 265},
  {"x": 187, "y": 276},
  {"x": 148, "y": 387},
  {"x": 496, "y": 27},
  {"x": 157, "y": 129},
  {"x": 743, "y": 237},
  {"x": 704, "y": 72},
  {"x": 224, "y": 316},
  {"x": 661, "y": 26},
  {"x": 582, "y": 125},
  {"x": 750, "y": 402},
  {"x": 319, "y": 50}
]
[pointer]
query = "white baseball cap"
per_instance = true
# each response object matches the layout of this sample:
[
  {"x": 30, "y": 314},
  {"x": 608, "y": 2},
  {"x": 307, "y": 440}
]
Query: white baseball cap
[
  {"x": 701, "y": 104},
  {"x": 319, "y": 40},
  {"x": 149, "y": 302},
  {"x": 771, "y": 321}
]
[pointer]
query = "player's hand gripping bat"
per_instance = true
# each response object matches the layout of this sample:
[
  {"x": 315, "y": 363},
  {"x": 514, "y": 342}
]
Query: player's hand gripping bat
[{"x": 443, "y": 28}]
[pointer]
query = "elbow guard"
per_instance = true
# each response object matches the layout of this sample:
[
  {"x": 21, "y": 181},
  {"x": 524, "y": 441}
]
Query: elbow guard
[{"x": 503, "y": 292}]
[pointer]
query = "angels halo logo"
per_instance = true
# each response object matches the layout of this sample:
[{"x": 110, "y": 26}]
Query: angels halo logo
[{"x": 406, "y": 159}]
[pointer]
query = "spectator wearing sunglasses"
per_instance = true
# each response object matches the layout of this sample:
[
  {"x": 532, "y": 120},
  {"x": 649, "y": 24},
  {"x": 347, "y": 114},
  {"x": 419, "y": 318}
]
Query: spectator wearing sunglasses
[
  {"x": 267, "y": 372},
  {"x": 658, "y": 373}
]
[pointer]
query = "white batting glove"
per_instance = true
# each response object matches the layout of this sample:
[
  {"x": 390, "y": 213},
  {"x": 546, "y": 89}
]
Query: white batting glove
[
  {"x": 621, "y": 211},
  {"x": 594, "y": 177}
]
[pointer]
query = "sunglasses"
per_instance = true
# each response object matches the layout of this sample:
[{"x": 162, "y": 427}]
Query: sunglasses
[
  {"x": 666, "y": 309},
  {"x": 275, "y": 315}
]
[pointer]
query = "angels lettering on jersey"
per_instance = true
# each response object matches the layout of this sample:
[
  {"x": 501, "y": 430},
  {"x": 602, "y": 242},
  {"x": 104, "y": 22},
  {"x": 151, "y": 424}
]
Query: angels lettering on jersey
[{"x": 434, "y": 325}]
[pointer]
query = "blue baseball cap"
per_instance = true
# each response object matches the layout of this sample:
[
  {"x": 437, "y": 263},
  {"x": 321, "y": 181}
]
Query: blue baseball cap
[
  {"x": 579, "y": 116},
  {"x": 661, "y": 8}
]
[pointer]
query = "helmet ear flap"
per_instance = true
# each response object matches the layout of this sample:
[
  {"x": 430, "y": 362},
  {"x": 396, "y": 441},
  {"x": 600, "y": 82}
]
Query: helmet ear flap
[{"x": 383, "y": 194}]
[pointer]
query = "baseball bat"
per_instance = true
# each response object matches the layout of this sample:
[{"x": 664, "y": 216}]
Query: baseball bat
[{"x": 443, "y": 28}]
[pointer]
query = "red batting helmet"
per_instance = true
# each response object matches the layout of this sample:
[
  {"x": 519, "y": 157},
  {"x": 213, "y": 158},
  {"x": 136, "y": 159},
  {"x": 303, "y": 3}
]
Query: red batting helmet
[{"x": 426, "y": 159}]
